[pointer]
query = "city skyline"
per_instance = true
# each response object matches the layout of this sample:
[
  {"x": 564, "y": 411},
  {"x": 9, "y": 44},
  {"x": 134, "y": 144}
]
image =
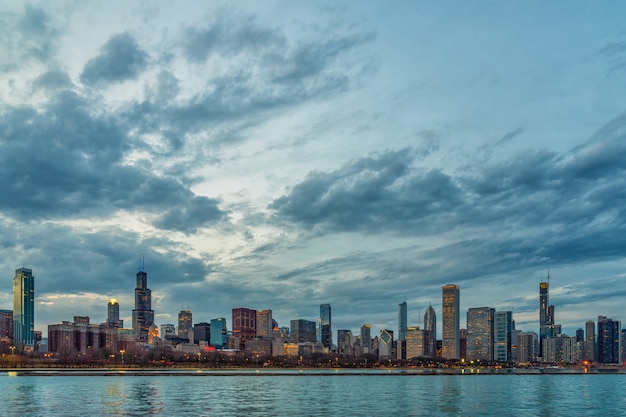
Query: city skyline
[
  {"x": 248, "y": 323},
  {"x": 286, "y": 155}
]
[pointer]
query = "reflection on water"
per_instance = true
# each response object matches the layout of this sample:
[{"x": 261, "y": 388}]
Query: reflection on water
[{"x": 313, "y": 395}]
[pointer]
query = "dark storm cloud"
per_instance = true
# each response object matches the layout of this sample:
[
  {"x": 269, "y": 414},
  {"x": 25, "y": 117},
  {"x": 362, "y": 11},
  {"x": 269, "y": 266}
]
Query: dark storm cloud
[
  {"x": 539, "y": 207},
  {"x": 68, "y": 261},
  {"x": 120, "y": 59},
  {"x": 66, "y": 160},
  {"x": 197, "y": 211},
  {"x": 372, "y": 194},
  {"x": 268, "y": 74}
]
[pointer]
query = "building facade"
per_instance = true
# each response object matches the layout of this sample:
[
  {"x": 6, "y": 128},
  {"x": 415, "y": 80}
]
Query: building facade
[
  {"x": 451, "y": 347},
  {"x": 480, "y": 333},
  {"x": 24, "y": 308},
  {"x": 503, "y": 336},
  {"x": 168, "y": 329},
  {"x": 77, "y": 337},
  {"x": 6, "y": 326},
  {"x": 302, "y": 331},
  {"x": 560, "y": 349},
  {"x": 589, "y": 352},
  {"x": 345, "y": 342},
  {"x": 609, "y": 332},
  {"x": 385, "y": 344},
  {"x": 202, "y": 333},
  {"x": 185, "y": 323},
  {"x": 244, "y": 325},
  {"x": 527, "y": 347},
  {"x": 264, "y": 324},
  {"x": 219, "y": 335},
  {"x": 415, "y": 342}
]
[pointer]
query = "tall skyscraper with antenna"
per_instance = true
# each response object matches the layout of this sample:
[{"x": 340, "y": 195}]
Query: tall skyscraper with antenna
[
  {"x": 143, "y": 315},
  {"x": 544, "y": 313}
]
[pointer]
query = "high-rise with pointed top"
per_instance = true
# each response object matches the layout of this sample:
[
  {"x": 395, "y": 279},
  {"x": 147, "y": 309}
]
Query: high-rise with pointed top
[{"x": 430, "y": 332}]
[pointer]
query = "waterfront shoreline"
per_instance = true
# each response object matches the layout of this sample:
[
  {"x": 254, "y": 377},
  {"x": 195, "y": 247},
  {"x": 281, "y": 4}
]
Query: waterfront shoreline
[{"x": 124, "y": 371}]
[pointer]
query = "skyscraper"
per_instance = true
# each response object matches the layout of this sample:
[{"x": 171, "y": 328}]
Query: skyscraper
[
  {"x": 168, "y": 329},
  {"x": 302, "y": 331},
  {"x": 546, "y": 314},
  {"x": 264, "y": 324},
  {"x": 415, "y": 346},
  {"x": 185, "y": 323},
  {"x": 6, "y": 326},
  {"x": 430, "y": 332},
  {"x": 402, "y": 321},
  {"x": 345, "y": 342},
  {"x": 366, "y": 338},
  {"x": 385, "y": 343},
  {"x": 218, "y": 333},
  {"x": 113, "y": 314},
  {"x": 609, "y": 332},
  {"x": 326, "y": 333},
  {"x": 580, "y": 335},
  {"x": 589, "y": 352},
  {"x": 503, "y": 328},
  {"x": 24, "y": 307},
  {"x": 244, "y": 325},
  {"x": 480, "y": 328},
  {"x": 450, "y": 307},
  {"x": 143, "y": 315},
  {"x": 527, "y": 347},
  {"x": 202, "y": 333}
]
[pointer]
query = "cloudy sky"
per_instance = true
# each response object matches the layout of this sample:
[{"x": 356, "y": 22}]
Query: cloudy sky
[{"x": 283, "y": 154}]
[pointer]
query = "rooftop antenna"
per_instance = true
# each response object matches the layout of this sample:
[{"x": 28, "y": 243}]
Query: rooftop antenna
[
  {"x": 548, "y": 277},
  {"x": 419, "y": 317}
]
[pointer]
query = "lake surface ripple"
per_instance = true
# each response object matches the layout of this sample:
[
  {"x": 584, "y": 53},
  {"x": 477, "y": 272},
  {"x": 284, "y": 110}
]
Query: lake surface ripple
[{"x": 313, "y": 395}]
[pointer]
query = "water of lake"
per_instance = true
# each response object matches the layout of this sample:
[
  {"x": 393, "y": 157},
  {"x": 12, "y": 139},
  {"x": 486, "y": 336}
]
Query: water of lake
[{"x": 340, "y": 394}]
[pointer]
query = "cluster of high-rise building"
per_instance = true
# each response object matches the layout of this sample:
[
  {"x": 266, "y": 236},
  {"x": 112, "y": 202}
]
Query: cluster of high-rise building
[{"x": 490, "y": 335}]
